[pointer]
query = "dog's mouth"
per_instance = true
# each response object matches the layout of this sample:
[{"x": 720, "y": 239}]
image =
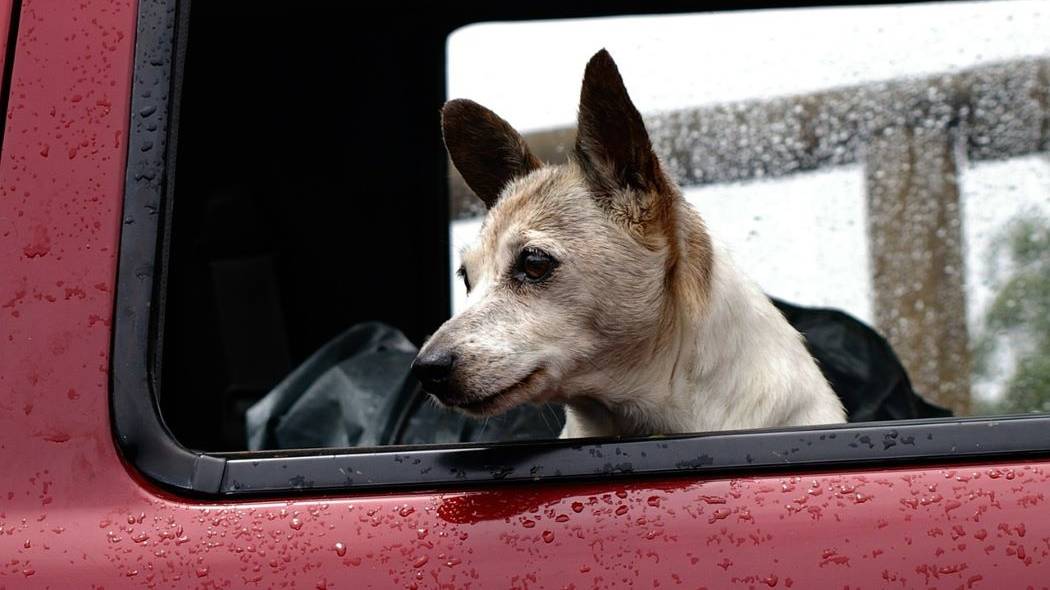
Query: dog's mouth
[{"x": 503, "y": 399}]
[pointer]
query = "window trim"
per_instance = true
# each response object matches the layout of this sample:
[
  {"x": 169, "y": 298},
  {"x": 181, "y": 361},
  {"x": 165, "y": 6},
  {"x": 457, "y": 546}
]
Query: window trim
[
  {"x": 148, "y": 444},
  {"x": 9, "y": 20}
]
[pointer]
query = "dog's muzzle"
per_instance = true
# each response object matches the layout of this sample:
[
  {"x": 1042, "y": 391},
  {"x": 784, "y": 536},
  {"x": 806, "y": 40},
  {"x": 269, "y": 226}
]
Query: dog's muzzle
[{"x": 434, "y": 371}]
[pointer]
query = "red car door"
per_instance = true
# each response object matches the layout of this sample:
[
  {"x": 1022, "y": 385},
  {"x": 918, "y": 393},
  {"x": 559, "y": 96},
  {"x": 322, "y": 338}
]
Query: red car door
[{"x": 954, "y": 504}]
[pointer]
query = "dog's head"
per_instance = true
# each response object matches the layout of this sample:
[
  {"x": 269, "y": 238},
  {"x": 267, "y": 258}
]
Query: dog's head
[{"x": 578, "y": 268}]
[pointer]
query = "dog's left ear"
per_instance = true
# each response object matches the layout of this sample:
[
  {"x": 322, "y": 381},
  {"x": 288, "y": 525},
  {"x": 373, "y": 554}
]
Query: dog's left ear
[
  {"x": 612, "y": 145},
  {"x": 486, "y": 150}
]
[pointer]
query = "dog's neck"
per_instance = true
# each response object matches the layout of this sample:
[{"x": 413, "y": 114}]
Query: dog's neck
[{"x": 726, "y": 359}]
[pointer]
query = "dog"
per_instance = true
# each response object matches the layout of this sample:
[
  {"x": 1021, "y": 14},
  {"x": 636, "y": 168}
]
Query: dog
[{"x": 596, "y": 285}]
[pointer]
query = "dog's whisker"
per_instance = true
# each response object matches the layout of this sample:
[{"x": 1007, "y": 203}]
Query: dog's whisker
[
  {"x": 543, "y": 416},
  {"x": 554, "y": 415}
]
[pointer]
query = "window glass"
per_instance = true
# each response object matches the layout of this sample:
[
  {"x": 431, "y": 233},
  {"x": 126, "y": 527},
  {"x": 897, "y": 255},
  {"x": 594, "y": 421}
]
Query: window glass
[{"x": 888, "y": 161}]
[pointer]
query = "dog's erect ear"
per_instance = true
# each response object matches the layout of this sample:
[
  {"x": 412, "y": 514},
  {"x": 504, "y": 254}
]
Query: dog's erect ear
[
  {"x": 486, "y": 150},
  {"x": 612, "y": 145}
]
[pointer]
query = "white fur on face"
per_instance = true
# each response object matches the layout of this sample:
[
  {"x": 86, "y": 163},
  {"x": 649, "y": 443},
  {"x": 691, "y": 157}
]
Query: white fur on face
[{"x": 602, "y": 301}]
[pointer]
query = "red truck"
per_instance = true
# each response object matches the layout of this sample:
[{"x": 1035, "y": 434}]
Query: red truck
[{"x": 96, "y": 491}]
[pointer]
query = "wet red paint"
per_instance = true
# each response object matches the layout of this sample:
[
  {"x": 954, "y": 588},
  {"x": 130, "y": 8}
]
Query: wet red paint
[
  {"x": 5, "y": 27},
  {"x": 72, "y": 514}
]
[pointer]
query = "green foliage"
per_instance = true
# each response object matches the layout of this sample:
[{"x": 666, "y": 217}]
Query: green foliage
[{"x": 1020, "y": 313}]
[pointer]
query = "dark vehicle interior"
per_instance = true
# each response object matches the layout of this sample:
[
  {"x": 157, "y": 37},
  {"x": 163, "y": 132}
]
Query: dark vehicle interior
[{"x": 310, "y": 196}]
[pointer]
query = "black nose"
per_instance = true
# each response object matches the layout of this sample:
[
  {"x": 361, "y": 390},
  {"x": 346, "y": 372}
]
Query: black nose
[{"x": 433, "y": 370}]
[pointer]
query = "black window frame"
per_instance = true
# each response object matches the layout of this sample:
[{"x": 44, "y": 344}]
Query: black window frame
[{"x": 149, "y": 446}]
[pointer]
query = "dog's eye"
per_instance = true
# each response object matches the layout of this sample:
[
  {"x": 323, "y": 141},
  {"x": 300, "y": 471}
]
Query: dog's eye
[
  {"x": 535, "y": 264},
  {"x": 462, "y": 273}
]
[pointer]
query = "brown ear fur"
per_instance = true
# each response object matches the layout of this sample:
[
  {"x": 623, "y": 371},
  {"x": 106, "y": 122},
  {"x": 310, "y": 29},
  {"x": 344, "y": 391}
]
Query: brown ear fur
[
  {"x": 612, "y": 145},
  {"x": 615, "y": 154},
  {"x": 486, "y": 150}
]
